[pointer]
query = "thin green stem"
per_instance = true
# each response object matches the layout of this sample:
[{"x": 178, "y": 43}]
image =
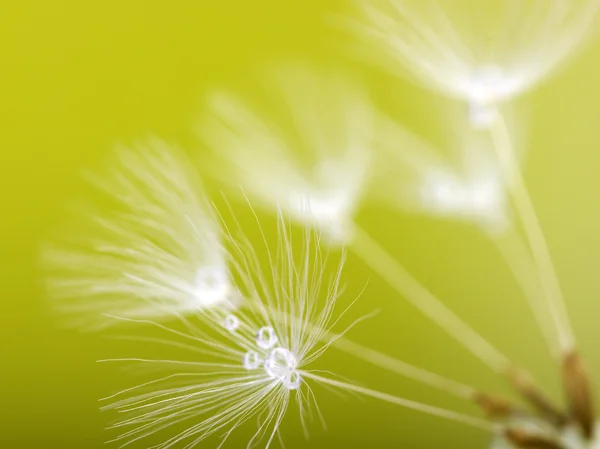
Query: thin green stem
[
  {"x": 409, "y": 371},
  {"x": 406, "y": 285},
  {"x": 517, "y": 257},
  {"x": 539, "y": 248},
  {"x": 478, "y": 423}
]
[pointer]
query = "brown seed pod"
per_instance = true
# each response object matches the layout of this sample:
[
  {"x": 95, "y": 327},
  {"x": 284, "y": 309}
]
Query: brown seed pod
[
  {"x": 527, "y": 440},
  {"x": 579, "y": 394},
  {"x": 532, "y": 394}
]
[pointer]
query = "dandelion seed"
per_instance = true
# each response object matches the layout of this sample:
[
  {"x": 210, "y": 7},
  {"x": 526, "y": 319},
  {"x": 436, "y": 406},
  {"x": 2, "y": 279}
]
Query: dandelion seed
[
  {"x": 322, "y": 115},
  {"x": 234, "y": 379},
  {"x": 151, "y": 249},
  {"x": 175, "y": 405},
  {"x": 484, "y": 55}
]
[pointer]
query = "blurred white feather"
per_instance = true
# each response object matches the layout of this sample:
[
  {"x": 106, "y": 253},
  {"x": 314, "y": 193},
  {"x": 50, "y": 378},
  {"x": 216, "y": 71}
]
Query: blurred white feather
[{"x": 461, "y": 180}]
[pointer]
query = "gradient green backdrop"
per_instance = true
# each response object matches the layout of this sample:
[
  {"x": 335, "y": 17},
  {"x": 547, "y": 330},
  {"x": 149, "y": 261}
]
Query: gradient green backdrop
[{"x": 76, "y": 77}]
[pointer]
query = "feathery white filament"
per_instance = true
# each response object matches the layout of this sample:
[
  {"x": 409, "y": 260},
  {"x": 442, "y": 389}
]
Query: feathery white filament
[{"x": 535, "y": 236}]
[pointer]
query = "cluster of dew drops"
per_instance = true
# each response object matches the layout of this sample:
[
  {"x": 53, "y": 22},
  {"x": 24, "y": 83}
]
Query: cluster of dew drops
[{"x": 279, "y": 363}]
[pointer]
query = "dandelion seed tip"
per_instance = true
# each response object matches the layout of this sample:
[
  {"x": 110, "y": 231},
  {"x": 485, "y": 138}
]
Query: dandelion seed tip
[
  {"x": 531, "y": 439},
  {"x": 212, "y": 286}
]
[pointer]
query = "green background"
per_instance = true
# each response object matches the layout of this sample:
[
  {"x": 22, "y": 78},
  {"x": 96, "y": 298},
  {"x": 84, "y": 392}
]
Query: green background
[{"x": 77, "y": 77}]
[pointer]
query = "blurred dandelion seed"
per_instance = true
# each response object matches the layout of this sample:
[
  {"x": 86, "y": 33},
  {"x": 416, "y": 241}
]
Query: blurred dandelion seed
[
  {"x": 438, "y": 44},
  {"x": 151, "y": 249},
  {"x": 465, "y": 185},
  {"x": 323, "y": 115}
]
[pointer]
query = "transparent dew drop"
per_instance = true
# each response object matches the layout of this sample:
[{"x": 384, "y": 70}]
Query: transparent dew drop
[
  {"x": 266, "y": 338},
  {"x": 231, "y": 323},
  {"x": 252, "y": 360},
  {"x": 292, "y": 380},
  {"x": 279, "y": 363}
]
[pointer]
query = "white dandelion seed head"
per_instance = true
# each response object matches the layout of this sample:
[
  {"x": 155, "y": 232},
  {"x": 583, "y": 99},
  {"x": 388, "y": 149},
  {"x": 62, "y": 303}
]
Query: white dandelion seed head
[
  {"x": 308, "y": 156},
  {"x": 230, "y": 380},
  {"x": 150, "y": 247},
  {"x": 482, "y": 54}
]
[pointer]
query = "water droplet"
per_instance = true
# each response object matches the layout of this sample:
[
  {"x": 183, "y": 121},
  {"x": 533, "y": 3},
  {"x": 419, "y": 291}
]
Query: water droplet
[
  {"x": 252, "y": 360},
  {"x": 266, "y": 338},
  {"x": 279, "y": 363},
  {"x": 231, "y": 323},
  {"x": 292, "y": 380}
]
